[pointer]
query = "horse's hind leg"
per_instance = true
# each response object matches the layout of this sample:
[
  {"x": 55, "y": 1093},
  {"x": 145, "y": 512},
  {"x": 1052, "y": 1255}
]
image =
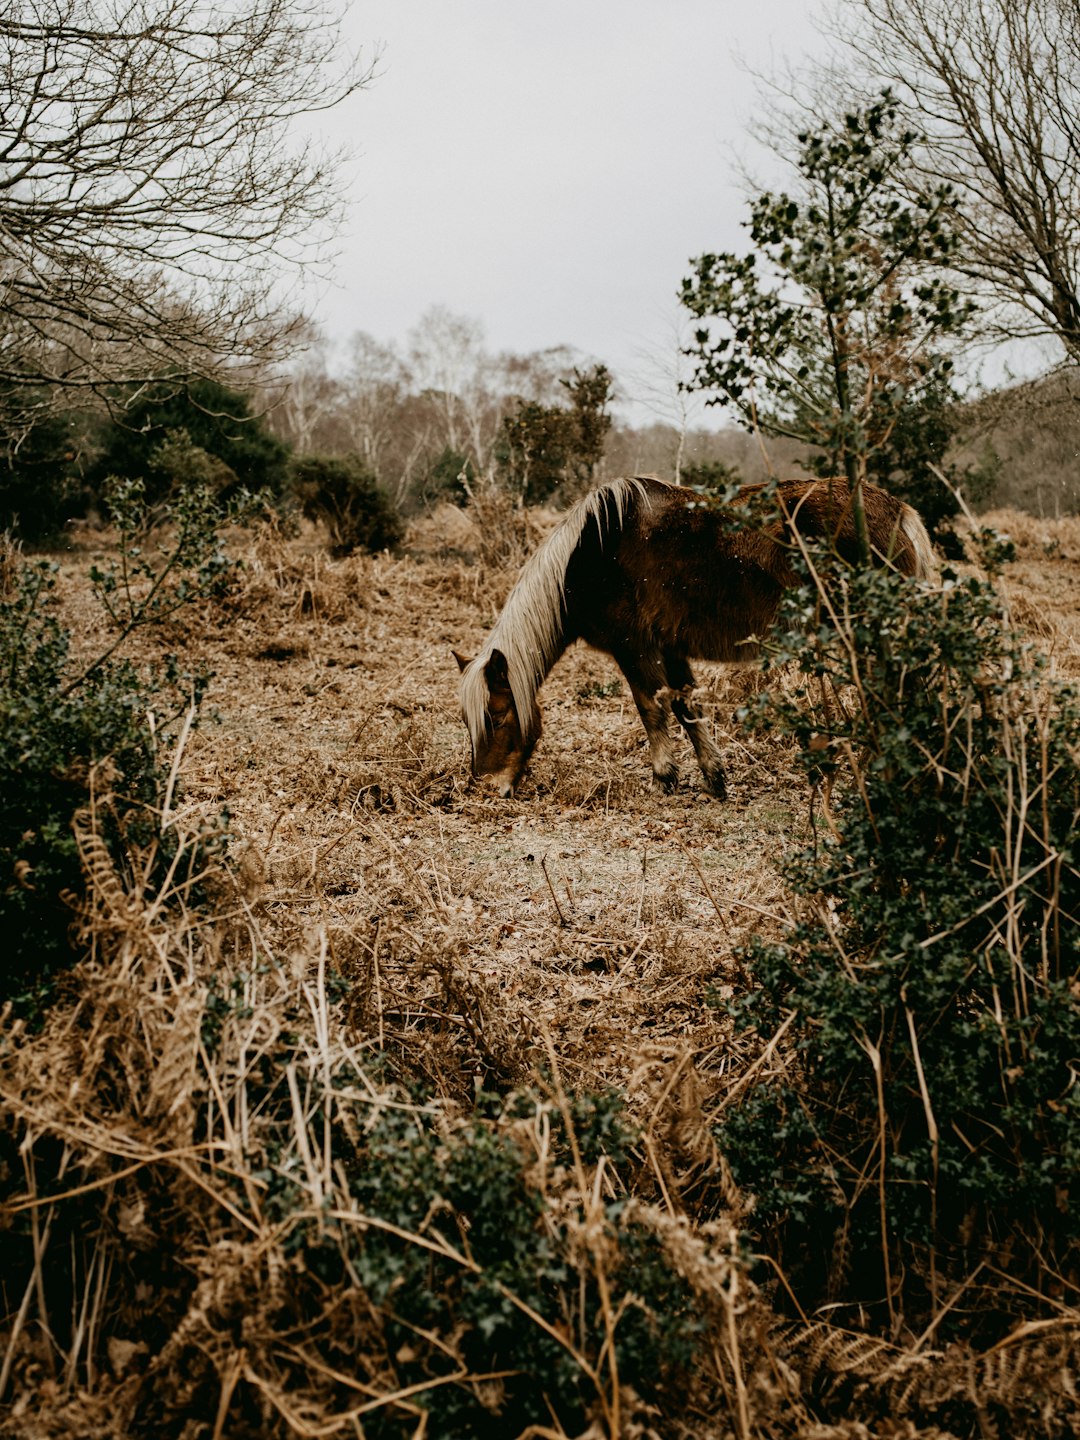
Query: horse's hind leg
[
  {"x": 646, "y": 680},
  {"x": 680, "y": 679}
]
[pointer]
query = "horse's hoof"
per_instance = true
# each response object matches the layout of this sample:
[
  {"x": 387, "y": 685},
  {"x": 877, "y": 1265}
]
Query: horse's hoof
[
  {"x": 717, "y": 785},
  {"x": 665, "y": 780}
]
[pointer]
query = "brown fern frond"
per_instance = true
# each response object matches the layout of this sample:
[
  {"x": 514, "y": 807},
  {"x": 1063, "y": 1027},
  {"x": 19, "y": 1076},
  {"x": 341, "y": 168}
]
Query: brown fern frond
[
  {"x": 826, "y": 1353},
  {"x": 105, "y": 889}
]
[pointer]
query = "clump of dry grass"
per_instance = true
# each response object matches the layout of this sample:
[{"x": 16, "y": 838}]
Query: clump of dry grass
[
  {"x": 1040, "y": 585},
  {"x": 447, "y": 533},
  {"x": 1034, "y": 620},
  {"x": 198, "y": 1111},
  {"x": 1035, "y": 537},
  {"x": 298, "y": 579},
  {"x": 410, "y": 762},
  {"x": 506, "y": 530}
]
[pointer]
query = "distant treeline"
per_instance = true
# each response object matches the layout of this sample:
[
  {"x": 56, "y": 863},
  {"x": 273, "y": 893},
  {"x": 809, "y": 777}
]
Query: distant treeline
[{"x": 432, "y": 423}]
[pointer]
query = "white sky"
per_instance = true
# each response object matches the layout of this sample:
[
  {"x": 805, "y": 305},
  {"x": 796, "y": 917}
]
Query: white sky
[{"x": 549, "y": 167}]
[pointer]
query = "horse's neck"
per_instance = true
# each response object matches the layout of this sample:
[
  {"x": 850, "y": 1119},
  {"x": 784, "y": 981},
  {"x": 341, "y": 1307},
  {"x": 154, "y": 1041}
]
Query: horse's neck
[{"x": 531, "y": 631}]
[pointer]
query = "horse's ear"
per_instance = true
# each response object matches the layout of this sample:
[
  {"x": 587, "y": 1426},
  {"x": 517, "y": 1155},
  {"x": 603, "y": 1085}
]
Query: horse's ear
[
  {"x": 463, "y": 662},
  {"x": 496, "y": 673}
]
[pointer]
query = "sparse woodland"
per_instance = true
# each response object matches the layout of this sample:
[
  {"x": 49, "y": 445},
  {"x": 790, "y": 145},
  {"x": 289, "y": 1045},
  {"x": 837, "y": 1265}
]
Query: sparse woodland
[{"x": 339, "y": 1097}]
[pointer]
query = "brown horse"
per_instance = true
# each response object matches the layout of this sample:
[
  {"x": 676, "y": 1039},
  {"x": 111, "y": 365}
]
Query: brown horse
[{"x": 655, "y": 576}]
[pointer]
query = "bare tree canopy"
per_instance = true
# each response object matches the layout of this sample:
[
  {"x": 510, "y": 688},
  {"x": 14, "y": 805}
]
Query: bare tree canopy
[
  {"x": 995, "y": 86},
  {"x": 153, "y": 190}
]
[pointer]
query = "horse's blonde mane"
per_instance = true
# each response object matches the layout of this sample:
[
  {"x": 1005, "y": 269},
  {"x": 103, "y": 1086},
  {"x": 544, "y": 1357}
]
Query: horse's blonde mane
[{"x": 529, "y": 631}]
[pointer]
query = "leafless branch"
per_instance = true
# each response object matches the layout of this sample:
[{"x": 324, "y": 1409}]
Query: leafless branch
[{"x": 156, "y": 183}]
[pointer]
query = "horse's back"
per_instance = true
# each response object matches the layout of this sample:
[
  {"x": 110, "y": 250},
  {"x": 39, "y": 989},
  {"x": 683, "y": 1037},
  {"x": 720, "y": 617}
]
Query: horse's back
[
  {"x": 680, "y": 573},
  {"x": 824, "y": 511},
  {"x": 675, "y": 577}
]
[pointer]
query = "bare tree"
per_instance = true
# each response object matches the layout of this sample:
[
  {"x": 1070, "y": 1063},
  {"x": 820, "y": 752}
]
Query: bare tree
[
  {"x": 374, "y": 390},
  {"x": 153, "y": 188},
  {"x": 412, "y": 420},
  {"x": 660, "y": 385},
  {"x": 310, "y": 398},
  {"x": 537, "y": 376},
  {"x": 995, "y": 87},
  {"x": 453, "y": 372}
]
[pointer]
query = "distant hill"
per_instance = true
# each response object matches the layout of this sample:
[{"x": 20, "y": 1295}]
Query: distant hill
[{"x": 1034, "y": 430}]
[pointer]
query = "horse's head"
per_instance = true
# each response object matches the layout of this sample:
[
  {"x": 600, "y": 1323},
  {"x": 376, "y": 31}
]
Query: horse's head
[{"x": 501, "y": 745}]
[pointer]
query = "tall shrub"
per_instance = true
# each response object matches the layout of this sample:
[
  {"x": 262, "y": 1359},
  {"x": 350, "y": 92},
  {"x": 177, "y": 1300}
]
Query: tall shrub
[
  {"x": 549, "y": 451},
  {"x": 925, "y": 1127},
  {"x": 215, "y": 419},
  {"x": 65, "y": 744},
  {"x": 89, "y": 734},
  {"x": 343, "y": 495},
  {"x": 837, "y": 322},
  {"x": 41, "y": 466}
]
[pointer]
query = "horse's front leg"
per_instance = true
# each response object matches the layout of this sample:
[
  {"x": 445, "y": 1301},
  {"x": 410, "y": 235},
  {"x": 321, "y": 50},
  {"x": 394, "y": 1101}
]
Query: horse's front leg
[
  {"x": 646, "y": 684},
  {"x": 681, "y": 680}
]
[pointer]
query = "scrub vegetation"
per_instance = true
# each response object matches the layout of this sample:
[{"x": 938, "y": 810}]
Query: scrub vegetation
[{"x": 364, "y": 1101}]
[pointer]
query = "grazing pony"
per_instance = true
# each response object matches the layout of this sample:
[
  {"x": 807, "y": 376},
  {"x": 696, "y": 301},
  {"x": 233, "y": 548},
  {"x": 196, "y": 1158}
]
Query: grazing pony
[{"x": 654, "y": 576}]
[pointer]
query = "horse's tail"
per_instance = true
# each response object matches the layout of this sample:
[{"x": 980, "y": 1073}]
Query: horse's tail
[{"x": 924, "y": 565}]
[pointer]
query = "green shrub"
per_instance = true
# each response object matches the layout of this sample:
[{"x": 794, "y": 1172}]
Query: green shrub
[
  {"x": 927, "y": 1122},
  {"x": 216, "y": 420},
  {"x": 41, "y": 481},
  {"x": 172, "y": 553},
  {"x": 62, "y": 743},
  {"x": 343, "y": 495},
  {"x": 527, "y": 1261},
  {"x": 72, "y": 736},
  {"x": 472, "y": 1263},
  {"x": 546, "y": 452}
]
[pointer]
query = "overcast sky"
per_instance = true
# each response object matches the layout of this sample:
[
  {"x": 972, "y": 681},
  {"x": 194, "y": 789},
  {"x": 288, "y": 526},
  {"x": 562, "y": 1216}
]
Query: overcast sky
[{"x": 548, "y": 167}]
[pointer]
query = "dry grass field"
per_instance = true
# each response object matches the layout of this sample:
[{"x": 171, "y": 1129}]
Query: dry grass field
[{"x": 397, "y": 925}]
